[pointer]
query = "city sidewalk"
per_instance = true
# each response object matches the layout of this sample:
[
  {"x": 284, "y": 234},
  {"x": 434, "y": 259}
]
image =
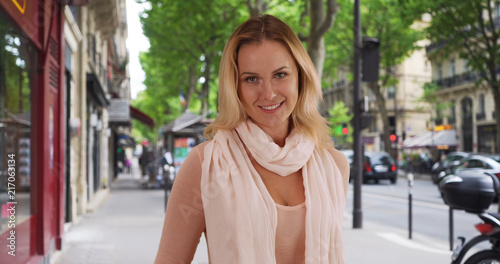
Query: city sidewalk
[{"x": 127, "y": 226}]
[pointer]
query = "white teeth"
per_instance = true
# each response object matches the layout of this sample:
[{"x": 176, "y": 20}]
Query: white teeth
[{"x": 272, "y": 107}]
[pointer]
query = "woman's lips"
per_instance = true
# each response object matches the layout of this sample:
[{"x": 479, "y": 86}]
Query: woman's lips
[{"x": 271, "y": 108}]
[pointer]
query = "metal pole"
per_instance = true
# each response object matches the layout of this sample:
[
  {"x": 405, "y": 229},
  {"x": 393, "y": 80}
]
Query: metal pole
[
  {"x": 450, "y": 214},
  {"x": 410, "y": 205},
  {"x": 358, "y": 152}
]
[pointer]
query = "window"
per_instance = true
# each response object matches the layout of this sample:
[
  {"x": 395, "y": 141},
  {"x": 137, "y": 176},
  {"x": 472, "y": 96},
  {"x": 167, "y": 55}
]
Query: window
[
  {"x": 391, "y": 92},
  {"x": 481, "y": 109},
  {"x": 439, "y": 72},
  {"x": 452, "y": 68},
  {"x": 466, "y": 66},
  {"x": 452, "y": 118},
  {"x": 18, "y": 60},
  {"x": 496, "y": 12},
  {"x": 439, "y": 118}
]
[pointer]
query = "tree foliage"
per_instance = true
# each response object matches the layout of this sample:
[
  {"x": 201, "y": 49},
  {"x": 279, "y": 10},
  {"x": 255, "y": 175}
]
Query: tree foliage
[{"x": 186, "y": 42}]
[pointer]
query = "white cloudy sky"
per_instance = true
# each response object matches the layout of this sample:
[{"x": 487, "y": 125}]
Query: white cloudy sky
[{"x": 136, "y": 43}]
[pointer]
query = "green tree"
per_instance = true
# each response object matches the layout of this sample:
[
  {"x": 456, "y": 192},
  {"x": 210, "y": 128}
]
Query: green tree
[
  {"x": 312, "y": 19},
  {"x": 430, "y": 101},
  {"x": 468, "y": 28},
  {"x": 186, "y": 41}
]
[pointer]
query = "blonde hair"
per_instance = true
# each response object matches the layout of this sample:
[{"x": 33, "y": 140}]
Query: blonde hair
[{"x": 305, "y": 116}]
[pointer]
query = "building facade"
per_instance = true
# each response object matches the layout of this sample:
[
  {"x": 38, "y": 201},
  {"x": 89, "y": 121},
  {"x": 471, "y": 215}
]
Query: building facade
[
  {"x": 62, "y": 64},
  {"x": 471, "y": 110}
]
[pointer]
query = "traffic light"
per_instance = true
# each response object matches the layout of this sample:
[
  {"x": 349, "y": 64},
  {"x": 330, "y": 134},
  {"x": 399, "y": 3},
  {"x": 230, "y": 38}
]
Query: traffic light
[
  {"x": 345, "y": 129},
  {"x": 338, "y": 129},
  {"x": 393, "y": 137}
]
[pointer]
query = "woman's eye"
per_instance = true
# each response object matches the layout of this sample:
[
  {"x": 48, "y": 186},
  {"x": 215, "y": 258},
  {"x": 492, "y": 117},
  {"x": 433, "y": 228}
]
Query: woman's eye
[
  {"x": 251, "y": 79},
  {"x": 280, "y": 75}
]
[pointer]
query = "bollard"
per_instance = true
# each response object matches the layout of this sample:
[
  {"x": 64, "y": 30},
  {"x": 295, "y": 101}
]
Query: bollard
[
  {"x": 169, "y": 181},
  {"x": 410, "y": 201},
  {"x": 450, "y": 216}
]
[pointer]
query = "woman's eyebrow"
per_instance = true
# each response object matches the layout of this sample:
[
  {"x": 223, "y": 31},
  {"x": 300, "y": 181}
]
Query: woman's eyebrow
[
  {"x": 253, "y": 73},
  {"x": 280, "y": 68},
  {"x": 248, "y": 73}
]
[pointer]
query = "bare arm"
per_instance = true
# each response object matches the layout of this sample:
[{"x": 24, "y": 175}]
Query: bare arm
[{"x": 184, "y": 220}]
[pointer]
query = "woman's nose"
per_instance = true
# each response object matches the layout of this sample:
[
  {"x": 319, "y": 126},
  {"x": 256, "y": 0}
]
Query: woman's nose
[{"x": 268, "y": 90}]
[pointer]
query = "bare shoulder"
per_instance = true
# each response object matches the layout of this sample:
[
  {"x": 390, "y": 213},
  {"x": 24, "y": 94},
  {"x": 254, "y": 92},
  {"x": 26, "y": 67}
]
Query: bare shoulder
[
  {"x": 343, "y": 164},
  {"x": 339, "y": 157},
  {"x": 200, "y": 148}
]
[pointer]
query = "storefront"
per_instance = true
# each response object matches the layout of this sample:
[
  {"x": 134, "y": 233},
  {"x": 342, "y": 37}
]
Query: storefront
[{"x": 31, "y": 130}]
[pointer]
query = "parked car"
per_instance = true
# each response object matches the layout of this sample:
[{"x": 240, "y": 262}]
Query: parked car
[
  {"x": 376, "y": 166},
  {"x": 452, "y": 160},
  {"x": 480, "y": 164},
  {"x": 379, "y": 166},
  {"x": 349, "y": 153},
  {"x": 476, "y": 165}
]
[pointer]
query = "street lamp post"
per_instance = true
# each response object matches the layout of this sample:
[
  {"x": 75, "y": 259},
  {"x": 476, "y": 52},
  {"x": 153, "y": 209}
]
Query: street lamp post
[{"x": 358, "y": 152}]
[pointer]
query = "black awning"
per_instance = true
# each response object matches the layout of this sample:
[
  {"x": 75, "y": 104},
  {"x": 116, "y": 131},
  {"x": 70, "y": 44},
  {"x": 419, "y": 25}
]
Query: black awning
[{"x": 96, "y": 91}]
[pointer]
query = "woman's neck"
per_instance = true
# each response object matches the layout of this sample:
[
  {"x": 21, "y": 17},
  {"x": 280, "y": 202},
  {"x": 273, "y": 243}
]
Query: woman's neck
[{"x": 278, "y": 134}]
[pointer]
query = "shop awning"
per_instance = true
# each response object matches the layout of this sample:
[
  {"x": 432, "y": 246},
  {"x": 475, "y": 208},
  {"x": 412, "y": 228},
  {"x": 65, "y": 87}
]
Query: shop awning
[
  {"x": 183, "y": 121},
  {"x": 432, "y": 139},
  {"x": 141, "y": 117}
]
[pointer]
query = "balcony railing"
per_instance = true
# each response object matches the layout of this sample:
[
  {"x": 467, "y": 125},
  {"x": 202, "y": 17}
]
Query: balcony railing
[
  {"x": 464, "y": 78},
  {"x": 95, "y": 59},
  {"x": 480, "y": 116}
]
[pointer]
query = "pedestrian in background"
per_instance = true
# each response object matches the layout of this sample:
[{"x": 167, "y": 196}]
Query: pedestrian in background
[
  {"x": 128, "y": 164},
  {"x": 268, "y": 186}
]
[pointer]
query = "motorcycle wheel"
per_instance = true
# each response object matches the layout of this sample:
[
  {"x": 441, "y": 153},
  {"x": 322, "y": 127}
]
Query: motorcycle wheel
[{"x": 484, "y": 257}]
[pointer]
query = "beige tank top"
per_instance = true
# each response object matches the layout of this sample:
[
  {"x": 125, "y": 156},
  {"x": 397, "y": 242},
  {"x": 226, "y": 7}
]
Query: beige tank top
[{"x": 291, "y": 234}]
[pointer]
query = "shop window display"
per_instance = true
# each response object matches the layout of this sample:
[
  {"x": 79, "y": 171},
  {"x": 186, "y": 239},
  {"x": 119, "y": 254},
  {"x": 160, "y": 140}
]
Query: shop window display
[{"x": 17, "y": 61}]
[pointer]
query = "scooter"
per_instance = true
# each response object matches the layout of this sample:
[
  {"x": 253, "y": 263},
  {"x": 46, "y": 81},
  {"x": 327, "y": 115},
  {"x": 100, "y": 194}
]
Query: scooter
[
  {"x": 490, "y": 231},
  {"x": 474, "y": 193}
]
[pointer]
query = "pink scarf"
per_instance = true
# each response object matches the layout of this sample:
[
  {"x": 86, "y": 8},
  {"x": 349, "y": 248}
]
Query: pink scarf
[{"x": 240, "y": 214}]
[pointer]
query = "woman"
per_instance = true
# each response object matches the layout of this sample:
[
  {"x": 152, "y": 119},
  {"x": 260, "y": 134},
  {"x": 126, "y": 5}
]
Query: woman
[{"x": 268, "y": 187}]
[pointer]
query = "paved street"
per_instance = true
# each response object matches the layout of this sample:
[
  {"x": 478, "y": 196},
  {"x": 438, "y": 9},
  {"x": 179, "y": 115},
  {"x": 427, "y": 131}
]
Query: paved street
[{"x": 126, "y": 229}]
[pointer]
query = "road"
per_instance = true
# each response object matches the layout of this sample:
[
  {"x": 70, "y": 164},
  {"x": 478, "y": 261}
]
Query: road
[{"x": 387, "y": 204}]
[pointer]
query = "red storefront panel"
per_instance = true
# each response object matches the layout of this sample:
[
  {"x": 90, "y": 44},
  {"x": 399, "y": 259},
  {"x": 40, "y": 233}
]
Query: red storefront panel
[{"x": 41, "y": 22}]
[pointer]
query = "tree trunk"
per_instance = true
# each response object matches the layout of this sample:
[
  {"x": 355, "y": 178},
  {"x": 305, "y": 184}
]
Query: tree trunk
[
  {"x": 257, "y": 7},
  {"x": 321, "y": 22},
  {"x": 205, "y": 87},
  {"x": 193, "y": 78},
  {"x": 316, "y": 50},
  {"x": 384, "y": 117},
  {"x": 496, "y": 95}
]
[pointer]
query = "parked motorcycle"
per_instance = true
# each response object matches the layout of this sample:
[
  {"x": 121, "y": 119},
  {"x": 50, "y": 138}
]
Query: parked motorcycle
[{"x": 474, "y": 194}]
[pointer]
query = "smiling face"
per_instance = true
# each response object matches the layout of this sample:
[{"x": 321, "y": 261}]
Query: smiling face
[{"x": 268, "y": 84}]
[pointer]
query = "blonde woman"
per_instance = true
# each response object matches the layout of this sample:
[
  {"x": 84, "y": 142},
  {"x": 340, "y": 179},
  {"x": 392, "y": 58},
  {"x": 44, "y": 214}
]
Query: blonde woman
[{"x": 268, "y": 186}]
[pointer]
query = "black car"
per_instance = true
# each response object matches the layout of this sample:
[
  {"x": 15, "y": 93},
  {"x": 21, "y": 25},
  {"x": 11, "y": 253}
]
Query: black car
[
  {"x": 377, "y": 166},
  {"x": 452, "y": 160}
]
